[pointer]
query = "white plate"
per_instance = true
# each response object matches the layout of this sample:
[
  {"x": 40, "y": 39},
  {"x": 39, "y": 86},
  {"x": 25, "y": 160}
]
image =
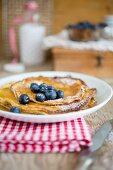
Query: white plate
[{"x": 104, "y": 94}]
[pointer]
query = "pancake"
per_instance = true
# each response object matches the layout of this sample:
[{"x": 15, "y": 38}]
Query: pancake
[{"x": 77, "y": 95}]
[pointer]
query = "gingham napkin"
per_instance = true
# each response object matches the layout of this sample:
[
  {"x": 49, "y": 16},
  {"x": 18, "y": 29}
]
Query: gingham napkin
[{"x": 43, "y": 138}]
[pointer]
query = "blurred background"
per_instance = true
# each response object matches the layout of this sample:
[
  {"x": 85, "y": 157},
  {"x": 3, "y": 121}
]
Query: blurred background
[{"x": 56, "y": 35}]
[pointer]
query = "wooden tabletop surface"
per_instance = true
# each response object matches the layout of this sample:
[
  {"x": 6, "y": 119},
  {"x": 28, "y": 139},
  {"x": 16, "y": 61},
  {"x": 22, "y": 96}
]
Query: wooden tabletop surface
[{"x": 103, "y": 157}]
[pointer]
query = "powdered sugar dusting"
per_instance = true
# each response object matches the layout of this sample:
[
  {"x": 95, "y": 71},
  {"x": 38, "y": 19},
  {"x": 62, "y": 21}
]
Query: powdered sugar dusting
[{"x": 68, "y": 81}]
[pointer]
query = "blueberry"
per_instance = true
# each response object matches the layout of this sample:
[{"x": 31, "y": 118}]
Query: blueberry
[
  {"x": 43, "y": 88},
  {"x": 101, "y": 25},
  {"x": 43, "y": 85},
  {"x": 34, "y": 87},
  {"x": 40, "y": 97},
  {"x": 24, "y": 99},
  {"x": 92, "y": 27},
  {"x": 51, "y": 88},
  {"x": 80, "y": 25},
  {"x": 51, "y": 94},
  {"x": 60, "y": 94},
  {"x": 14, "y": 109}
]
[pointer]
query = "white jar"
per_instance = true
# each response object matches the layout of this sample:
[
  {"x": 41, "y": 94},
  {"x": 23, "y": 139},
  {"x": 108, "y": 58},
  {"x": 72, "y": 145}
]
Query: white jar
[
  {"x": 31, "y": 37},
  {"x": 108, "y": 31}
]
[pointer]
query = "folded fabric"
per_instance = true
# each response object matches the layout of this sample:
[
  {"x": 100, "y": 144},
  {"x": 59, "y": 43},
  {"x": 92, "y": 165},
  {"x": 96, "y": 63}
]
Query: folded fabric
[
  {"x": 62, "y": 40},
  {"x": 44, "y": 138}
]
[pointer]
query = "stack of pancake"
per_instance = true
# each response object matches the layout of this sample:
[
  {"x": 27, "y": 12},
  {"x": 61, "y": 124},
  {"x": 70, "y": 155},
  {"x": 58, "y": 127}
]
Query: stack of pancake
[{"x": 77, "y": 95}]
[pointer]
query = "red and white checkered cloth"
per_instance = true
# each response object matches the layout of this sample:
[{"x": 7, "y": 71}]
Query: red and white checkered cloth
[{"x": 43, "y": 138}]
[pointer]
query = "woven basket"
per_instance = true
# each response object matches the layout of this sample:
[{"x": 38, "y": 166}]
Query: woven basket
[{"x": 12, "y": 8}]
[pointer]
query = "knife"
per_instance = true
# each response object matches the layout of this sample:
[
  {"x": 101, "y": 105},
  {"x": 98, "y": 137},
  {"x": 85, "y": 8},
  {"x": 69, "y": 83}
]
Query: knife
[{"x": 87, "y": 156}]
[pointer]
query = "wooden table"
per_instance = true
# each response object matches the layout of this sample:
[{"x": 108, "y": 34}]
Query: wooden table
[{"x": 104, "y": 157}]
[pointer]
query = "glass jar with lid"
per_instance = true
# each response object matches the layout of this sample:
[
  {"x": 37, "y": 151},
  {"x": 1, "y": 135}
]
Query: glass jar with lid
[{"x": 108, "y": 31}]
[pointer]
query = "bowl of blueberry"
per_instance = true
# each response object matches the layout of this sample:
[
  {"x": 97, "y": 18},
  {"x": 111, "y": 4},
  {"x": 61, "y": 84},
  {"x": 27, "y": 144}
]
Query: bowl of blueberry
[{"x": 85, "y": 31}]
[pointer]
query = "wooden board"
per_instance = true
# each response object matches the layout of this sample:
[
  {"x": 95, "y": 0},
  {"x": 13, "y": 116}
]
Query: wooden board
[
  {"x": 83, "y": 61},
  {"x": 70, "y": 11}
]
